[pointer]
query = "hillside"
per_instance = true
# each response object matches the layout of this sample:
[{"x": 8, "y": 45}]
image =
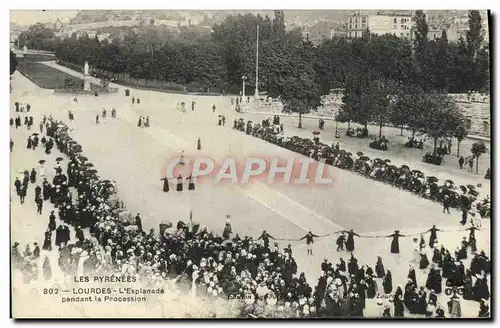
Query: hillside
[{"x": 216, "y": 16}]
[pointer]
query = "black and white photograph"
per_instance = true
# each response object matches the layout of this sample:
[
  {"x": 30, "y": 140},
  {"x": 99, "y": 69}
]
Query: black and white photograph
[{"x": 251, "y": 164}]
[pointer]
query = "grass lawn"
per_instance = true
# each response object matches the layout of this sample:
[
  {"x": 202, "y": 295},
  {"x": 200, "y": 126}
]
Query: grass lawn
[{"x": 45, "y": 76}]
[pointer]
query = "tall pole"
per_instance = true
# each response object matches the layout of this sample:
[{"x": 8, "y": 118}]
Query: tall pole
[
  {"x": 257, "y": 68},
  {"x": 244, "y": 78}
]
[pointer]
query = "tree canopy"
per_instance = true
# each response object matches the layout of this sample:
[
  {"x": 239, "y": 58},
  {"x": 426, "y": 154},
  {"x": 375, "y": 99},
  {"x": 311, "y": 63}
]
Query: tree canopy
[{"x": 290, "y": 67}]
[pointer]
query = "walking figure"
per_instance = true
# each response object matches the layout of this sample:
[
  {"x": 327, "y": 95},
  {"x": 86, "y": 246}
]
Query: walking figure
[
  {"x": 113, "y": 113},
  {"x": 446, "y": 204},
  {"x": 97, "y": 119},
  {"x": 104, "y": 113},
  {"x": 179, "y": 182},
  {"x": 199, "y": 144},
  {"x": 190, "y": 182}
]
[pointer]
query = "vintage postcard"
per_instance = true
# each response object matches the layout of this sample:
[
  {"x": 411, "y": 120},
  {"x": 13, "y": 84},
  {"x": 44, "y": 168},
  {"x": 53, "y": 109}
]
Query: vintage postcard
[{"x": 272, "y": 164}]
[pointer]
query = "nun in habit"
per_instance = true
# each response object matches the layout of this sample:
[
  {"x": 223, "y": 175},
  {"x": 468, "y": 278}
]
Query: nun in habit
[
  {"x": 179, "y": 182},
  {"x": 165, "y": 185}
]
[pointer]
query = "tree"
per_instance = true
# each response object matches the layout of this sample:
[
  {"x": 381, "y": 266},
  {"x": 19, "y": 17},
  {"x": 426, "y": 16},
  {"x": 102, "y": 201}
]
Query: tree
[
  {"x": 36, "y": 37},
  {"x": 474, "y": 34},
  {"x": 441, "y": 117},
  {"x": 13, "y": 62},
  {"x": 442, "y": 63},
  {"x": 300, "y": 91},
  {"x": 478, "y": 148},
  {"x": 421, "y": 29},
  {"x": 460, "y": 134},
  {"x": 474, "y": 39},
  {"x": 409, "y": 108}
]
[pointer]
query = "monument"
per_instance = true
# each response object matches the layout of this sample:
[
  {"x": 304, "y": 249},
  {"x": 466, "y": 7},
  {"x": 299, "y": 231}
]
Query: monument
[{"x": 86, "y": 81}]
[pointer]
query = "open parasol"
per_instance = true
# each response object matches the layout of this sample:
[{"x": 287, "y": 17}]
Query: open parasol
[
  {"x": 387, "y": 160},
  {"x": 471, "y": 187},
  {"x": 359, "y": 153},
  {"x": 59, "y": 159},
  {"x": 82, "y": 158},
  {"x": 42, "y": 161},
  {"x": 432, "y": 179},
  {"x": 316, "y": 133},
  {"x": 364, "y": 158},
  {"x": 34, "y": 134}
]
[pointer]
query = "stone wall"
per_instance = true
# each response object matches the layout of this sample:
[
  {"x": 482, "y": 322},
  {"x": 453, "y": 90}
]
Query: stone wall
[
  {"x": 478, "y": 117},
  {"x": 475, "y": 107}
]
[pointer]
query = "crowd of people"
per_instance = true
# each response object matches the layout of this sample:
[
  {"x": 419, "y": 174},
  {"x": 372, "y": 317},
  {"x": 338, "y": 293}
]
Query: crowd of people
[
  {"x": 256, "y": 272},
  {"x": 447, "y": 192}
]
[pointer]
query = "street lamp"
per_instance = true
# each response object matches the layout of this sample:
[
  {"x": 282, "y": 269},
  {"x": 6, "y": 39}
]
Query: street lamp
[{"x": 243, "y": 78}]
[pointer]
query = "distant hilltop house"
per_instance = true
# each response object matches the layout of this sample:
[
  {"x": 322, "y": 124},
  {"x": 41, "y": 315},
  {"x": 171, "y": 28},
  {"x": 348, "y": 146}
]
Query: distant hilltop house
[
  {"x": 68, "y": 33},
  {"x": 396, "y": 23}
]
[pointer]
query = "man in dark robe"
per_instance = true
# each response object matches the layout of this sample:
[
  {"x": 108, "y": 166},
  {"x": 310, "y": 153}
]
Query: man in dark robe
[
  {"x": 38, "y": 192},
  {"x": 66, "y": 236},
  {"x": 59, "y": 235},
  {"x": 190, "y": 182},
  {"x": 395, "y": 242},
  {"x": 17, "y": 184},
  {"x": 198, "y": 146},
  {"x": 350, "y": 240},
  {"x": 22, "y": 194},
  {"x": 165, "y": 184},
  {"x": 179, "y": 182}
]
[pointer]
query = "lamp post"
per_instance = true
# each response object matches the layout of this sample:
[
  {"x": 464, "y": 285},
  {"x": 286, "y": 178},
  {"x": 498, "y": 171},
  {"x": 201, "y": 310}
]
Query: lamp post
[
  {"x": 257, "y": 67},
  {"x": 243, "y": 78}
]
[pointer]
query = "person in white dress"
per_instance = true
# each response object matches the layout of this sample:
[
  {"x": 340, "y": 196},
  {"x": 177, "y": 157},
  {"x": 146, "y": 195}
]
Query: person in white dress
[
  {"x": 42, "y": 172},
  {"x": 476, "y": 220},
  {"x": 416, "y": 251}
]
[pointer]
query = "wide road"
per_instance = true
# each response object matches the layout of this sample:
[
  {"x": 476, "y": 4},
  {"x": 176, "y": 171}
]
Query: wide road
[{"x": 136, "y": 157}]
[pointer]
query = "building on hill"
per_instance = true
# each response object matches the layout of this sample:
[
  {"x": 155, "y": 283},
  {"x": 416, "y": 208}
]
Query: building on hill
[{"x": 395, "y": 23}]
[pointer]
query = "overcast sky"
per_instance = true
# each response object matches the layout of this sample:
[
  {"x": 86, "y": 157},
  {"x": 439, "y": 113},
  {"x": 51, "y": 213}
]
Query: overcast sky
[{"x": 29, "y": 17}]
